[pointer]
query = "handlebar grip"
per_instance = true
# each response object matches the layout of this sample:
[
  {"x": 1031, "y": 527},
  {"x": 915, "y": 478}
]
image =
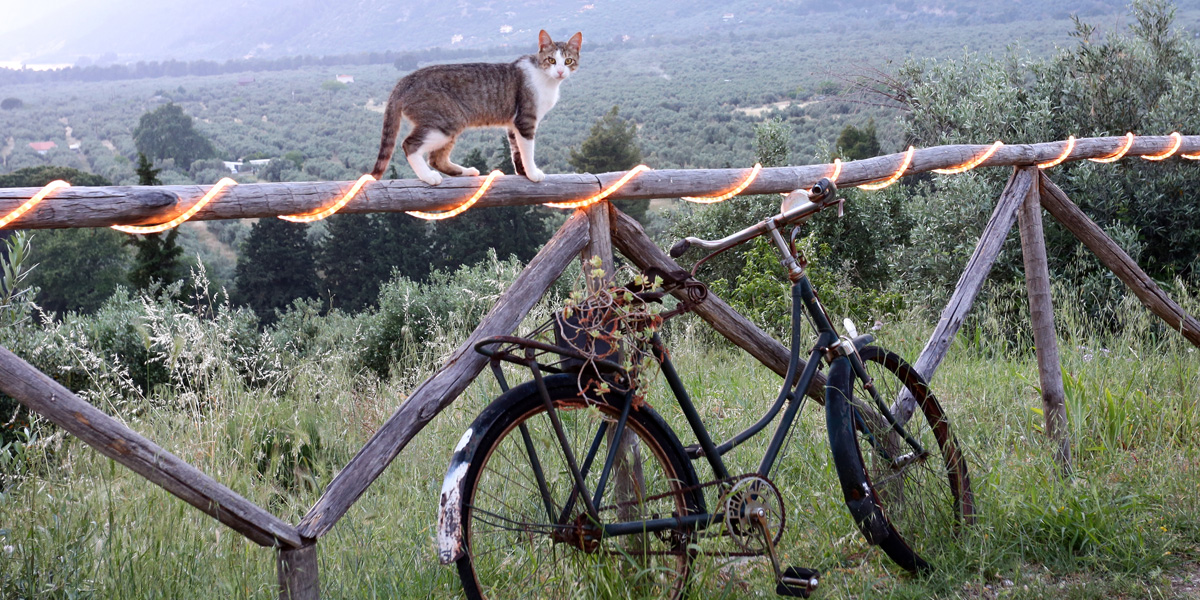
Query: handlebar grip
[
  {"x": 823, "y": 189},
  {"x": 680, "y": 248}
]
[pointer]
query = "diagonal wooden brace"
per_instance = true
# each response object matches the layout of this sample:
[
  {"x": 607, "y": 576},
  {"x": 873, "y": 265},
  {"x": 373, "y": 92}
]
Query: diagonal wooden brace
[{"x": 437, "y": 392}]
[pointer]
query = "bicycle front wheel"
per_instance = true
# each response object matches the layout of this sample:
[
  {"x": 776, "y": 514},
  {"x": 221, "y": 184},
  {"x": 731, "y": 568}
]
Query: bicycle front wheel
[
  {"x": 924, "y": 496},
  {"x": 526, "y": 530}
]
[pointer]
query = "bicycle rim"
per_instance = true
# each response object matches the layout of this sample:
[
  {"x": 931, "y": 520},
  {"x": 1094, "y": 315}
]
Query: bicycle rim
[
  {"x": 925, "y": 499},
  {"x": 516, "y": 551}
]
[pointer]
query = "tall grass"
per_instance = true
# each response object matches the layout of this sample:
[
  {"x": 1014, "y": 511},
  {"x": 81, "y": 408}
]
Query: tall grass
[{"x": 274, "y": 414}]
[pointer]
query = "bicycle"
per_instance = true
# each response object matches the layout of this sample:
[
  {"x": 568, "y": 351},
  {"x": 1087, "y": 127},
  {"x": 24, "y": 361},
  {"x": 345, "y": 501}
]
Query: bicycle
[{"x": 521, "y": 515}]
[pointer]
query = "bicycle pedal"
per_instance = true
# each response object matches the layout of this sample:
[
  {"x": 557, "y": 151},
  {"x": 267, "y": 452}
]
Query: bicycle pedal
[{"x": 798, "y": 582}]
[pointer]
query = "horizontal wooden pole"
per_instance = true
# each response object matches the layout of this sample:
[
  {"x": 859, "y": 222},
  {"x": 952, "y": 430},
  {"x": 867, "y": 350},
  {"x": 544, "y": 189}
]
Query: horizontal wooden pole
[
  {"x": 135, "y": 205},
  {"x": 1112, "y": 256},
  {"x": 113, "y": 439},
  {"x": 632, "y": 241},
  {"x": 437, "y": 392}
]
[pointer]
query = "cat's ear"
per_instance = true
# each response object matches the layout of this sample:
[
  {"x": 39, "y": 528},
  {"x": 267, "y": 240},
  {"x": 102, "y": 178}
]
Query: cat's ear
[
  {"x": 544, "y": 40},
  {"x": 576, "y": 41}
]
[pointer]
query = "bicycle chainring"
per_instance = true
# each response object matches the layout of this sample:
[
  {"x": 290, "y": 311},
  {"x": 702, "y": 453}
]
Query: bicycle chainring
[{"x": 749, "y": 495}]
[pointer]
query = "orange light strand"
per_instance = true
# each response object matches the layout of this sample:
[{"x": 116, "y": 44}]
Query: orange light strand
[
  {"x": 604, "y": 194},
  {"x": 974, "y": 162},
  {"x": 32, "y": 202},
  {"x": 189, "y": 213},
  {"x": 461, "y": 208},
  {"x": 1119, "y": 154},
  {"x": 837, "y": 170},
  {"x": 1168, "y": 153},
  {"x": 1061, "y": 157},
  {"x": 741, "y": 187},
  {"x": 321, "y": 214},
  {"x": 1195, "y": 156},
  {"x": 908, "y": 156}
]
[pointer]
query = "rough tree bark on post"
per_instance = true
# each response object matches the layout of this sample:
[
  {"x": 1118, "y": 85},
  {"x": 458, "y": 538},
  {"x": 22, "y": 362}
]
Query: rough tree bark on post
[{"x": 1041, "y": 313}]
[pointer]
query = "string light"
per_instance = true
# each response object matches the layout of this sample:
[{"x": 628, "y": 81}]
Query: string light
[
  {"x": 1168, "y": 153},
  {"x": 1195, "y": 156},
  {"x": 731, "y": 193},
  {"x": 189, "y": 213},
  {"x": 604, "y": 194},
  {"x": 317, "y": 216},
  {"x": 461, "y": 208},
  {"x": 837, "y": 170},
  {"x": 971, "y": 164},
  {"x": 32, "y": 202},
  {"x": 1066, "y": 153},
  {"x": 908, "y": 156},
  {"x": 1119, "y": 154}
]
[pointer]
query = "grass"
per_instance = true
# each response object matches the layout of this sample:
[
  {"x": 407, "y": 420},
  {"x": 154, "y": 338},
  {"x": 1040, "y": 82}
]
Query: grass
[{"x": 73, "y": 524}]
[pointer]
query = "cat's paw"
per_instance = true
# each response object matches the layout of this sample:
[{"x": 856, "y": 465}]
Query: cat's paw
[
  {"x": 535, "y": 174},
  {"x": 431, "y": 178},
  {"x": 469, "y": 172}
]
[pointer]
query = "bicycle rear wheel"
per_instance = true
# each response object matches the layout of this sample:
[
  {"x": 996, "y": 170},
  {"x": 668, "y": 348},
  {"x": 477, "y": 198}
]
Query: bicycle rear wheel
[
  {"x": 923, "y": 497},
  {"x": 514, "y": 549}
]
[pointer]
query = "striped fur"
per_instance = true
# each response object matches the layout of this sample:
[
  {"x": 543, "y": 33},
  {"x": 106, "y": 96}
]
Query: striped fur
[{"x": 441, "y": 101}]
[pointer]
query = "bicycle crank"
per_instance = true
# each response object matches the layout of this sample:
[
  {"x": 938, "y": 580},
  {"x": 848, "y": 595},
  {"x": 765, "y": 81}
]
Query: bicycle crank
[{"x": 796, "y": 582}]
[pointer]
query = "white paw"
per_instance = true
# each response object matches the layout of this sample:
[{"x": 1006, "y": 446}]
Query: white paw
[
  {"x": 470, "y": 172},
  {"x": 432, "y": 178},
  {"x": 535, "y": 174}
]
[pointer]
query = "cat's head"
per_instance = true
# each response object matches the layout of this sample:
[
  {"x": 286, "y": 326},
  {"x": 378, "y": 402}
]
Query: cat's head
[{"x": 558, "y": 59}]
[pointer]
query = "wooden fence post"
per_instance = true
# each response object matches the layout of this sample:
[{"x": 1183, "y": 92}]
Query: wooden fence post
[
  {"x": 297, "y": 568},
  {"x": 1041, "y": 313}
]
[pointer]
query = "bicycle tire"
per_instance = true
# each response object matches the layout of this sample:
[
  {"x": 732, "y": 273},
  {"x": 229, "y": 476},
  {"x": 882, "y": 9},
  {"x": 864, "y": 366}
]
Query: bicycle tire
[
  {"x": 500, "y": 494},
  {"x": 919, "y": 502}
]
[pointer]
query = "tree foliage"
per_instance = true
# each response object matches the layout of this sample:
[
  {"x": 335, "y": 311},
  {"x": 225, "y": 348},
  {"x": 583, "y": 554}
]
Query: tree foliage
[
  {"x": 76, "y": 269},
  {"x": 1141, "y": 80},
  {"x": 611, "y": 146},
  {"x": 275, "y": 268},
  {"x": 858, "y": 144},
  {"x": 166, "y": 132},
  {"x": 11, "y": 103}
]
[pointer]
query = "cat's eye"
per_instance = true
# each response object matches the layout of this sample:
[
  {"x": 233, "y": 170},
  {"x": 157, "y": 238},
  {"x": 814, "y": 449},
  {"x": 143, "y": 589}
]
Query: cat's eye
[
  {"x": 551, "y": 61},
  {"x": 570, "y": 61}
]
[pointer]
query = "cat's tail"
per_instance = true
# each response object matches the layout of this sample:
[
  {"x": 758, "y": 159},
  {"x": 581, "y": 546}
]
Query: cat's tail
[{"x": 393, "y": 115}]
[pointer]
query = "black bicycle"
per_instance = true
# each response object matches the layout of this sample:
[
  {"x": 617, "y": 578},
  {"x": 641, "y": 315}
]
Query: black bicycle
[{"x": 569, "y": 485}]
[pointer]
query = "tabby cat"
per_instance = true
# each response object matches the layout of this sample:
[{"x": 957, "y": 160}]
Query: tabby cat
[{"x": 442, "y": 100}]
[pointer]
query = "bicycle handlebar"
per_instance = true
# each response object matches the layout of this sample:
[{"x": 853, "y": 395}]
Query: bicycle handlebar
[{"x": 820, "y": 197}]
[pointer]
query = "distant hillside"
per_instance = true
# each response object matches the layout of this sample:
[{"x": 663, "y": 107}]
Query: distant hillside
[{"x": 118, "y": 31}]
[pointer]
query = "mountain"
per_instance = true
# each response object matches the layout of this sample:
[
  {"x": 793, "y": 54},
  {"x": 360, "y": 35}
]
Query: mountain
[{"x": 118, "y": 31}]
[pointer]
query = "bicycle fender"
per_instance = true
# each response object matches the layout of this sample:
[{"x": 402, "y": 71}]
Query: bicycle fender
[
  {"x": 449, "y": 522},
  {"x": 859, "y": 497}
]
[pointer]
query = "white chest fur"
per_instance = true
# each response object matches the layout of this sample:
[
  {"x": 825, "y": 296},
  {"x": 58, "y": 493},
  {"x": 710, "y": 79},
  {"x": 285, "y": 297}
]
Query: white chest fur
[{"x": 543, "y": 86}]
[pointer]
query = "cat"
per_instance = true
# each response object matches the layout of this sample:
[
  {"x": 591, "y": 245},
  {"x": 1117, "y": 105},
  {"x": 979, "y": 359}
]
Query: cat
[{"x": 443, "y": 100}]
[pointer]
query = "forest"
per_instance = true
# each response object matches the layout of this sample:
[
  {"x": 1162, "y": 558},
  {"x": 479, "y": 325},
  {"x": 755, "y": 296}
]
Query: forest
[{"x": 267, "y": 352}]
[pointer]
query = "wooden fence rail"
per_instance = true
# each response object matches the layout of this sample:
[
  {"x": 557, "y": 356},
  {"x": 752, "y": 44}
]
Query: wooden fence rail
[
  {"x": 136, "y": 205},
  {"x": 594, "y": 231}
]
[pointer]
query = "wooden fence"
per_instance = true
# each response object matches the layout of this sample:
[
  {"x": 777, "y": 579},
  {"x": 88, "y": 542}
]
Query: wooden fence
[{"x": 595, "y": 229}]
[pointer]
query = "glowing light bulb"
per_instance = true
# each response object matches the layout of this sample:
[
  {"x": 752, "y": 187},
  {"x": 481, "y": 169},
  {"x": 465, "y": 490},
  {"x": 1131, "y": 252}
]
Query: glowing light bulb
[
  {"x": 908, "y": 156},
  {"x": 1174, "y": 147},
  {"x": 1061, "y": 157},
  {"x": 974, "y": 162},
  {"x": 32, "y": 202},
  {"x": 731, "y": 193},
  {"x": 603, "y": 194},
  {"x": 1119, "y": 154},
  {"x": 461, "y": 208},
  {"x": 321, "y": 214},
  {"x": 189, "y": 213}
]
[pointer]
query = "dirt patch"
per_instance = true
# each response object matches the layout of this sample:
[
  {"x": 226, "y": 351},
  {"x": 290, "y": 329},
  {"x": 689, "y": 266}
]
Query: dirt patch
[
  {"x": 70, "y": 140},
  {"x": 108, "y": 144},
  {"x": 758, "y": 111},
  {"x": 9, "y": 144}
]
